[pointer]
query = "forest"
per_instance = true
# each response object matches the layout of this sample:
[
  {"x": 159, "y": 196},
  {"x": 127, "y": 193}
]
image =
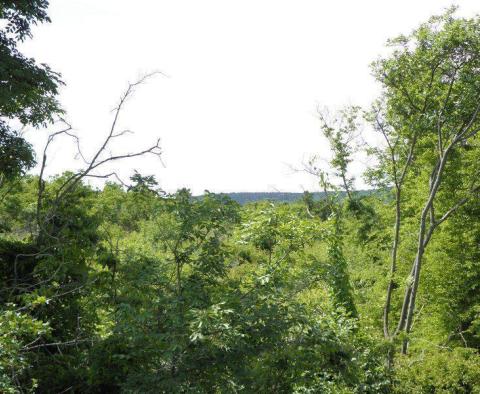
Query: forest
[{"x": 125, "y": 288}]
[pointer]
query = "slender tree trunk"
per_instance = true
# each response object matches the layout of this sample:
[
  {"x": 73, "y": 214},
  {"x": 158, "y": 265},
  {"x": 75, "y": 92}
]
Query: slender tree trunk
[
  {"x": 391, "y": 283},
  {"x": 346, "y": 186},
  {"x": 416, "y": 274},
  {"x": 180, "y": 310},
  {"x": 393, "y": 267},
  {"x": 408, "y": 307}
]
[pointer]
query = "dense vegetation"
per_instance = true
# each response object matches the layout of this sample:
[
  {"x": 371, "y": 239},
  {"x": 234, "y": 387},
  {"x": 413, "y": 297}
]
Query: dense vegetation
[{"x": 130, "y": 289}]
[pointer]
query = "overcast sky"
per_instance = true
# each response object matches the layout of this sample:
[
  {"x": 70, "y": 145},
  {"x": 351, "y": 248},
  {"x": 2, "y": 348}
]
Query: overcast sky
[{"x": 244, "y": 80}]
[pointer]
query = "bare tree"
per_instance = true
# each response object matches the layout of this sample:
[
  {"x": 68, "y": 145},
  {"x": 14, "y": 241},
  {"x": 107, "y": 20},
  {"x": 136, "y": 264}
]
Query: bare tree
[{"x": 98, "y": 159}]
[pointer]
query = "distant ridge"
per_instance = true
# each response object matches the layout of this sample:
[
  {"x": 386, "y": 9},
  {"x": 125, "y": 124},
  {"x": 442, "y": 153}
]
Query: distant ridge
[{"x": 249, "y": 197}]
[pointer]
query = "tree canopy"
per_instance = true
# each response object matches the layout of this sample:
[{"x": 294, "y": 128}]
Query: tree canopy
[{"x": 126, "y": 288}]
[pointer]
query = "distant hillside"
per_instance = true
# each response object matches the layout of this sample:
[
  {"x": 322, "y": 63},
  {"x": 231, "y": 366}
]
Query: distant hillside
[{"x": 248, "y": 197}]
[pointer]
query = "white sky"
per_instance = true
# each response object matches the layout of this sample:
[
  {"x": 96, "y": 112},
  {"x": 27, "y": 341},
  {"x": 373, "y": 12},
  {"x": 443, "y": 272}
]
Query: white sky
[{"x": 245, "y": 78}]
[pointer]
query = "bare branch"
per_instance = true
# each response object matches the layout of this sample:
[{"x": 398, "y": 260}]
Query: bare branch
[{"x": 95, "y": 162}]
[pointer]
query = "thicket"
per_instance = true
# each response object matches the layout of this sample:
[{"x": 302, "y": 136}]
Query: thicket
[{"x": 130, "y": 289}]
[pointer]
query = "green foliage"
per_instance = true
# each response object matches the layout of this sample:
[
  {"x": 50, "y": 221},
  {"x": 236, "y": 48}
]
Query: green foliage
[
  {"x": 16, "y": 155},
  {"x": 135, "y": 290},
  {"x": 444, "y": 371},
  {"x": 27, "y": 90},
  {"x": 18, "y": 332},
  {"x": 340, "y": 133}
]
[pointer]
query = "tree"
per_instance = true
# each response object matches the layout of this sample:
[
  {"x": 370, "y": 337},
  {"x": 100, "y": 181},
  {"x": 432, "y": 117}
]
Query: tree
[
  {"x": 27, "y": 90},
  {"x": 429, "y": 117},
  {"x": 340, "y": 132}
]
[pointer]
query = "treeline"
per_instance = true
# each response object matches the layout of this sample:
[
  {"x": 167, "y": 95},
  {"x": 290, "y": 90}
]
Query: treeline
[
  {"x": 130, "y": 289},
  {"x": 248, "y": 197}
]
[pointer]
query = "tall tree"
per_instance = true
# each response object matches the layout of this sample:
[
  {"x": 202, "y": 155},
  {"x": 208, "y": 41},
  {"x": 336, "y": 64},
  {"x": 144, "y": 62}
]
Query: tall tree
[{"x": 429, "y": 117}]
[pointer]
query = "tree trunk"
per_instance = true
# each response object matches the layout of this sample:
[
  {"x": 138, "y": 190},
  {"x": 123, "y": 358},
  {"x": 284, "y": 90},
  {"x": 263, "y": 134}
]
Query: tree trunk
[{"x": 393, "y": 268}]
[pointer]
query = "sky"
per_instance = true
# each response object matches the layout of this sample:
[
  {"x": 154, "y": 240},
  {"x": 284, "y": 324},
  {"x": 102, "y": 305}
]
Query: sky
[{"x": 236, "y": 105}]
